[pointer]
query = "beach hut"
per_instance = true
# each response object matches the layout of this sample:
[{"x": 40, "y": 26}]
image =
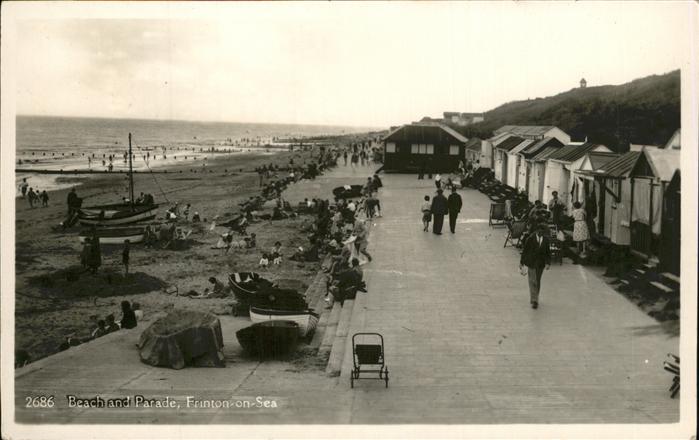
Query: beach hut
[
  {"x": 614, "y": 197},
  {"x": 514, "y": 161},
  {"x": 472, "y": 150},
  {"x": 650, "y": 177},
  {"x": 501, "y": 157},
  {"x": 409, "y": 146},
  {"x": 671, "y": 229},
  {"x": 588, "y": 185},
  {"x": 487, "y": 159},
  {"x": 537, "y": 173},
  {"x": 526, "y": 165},
  {"x": 534, "y": 132},
  {"x": 559, "y": 167}
]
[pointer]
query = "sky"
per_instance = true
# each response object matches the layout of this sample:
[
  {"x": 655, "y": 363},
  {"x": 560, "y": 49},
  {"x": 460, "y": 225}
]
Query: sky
[{"x": 370, "y": 64}]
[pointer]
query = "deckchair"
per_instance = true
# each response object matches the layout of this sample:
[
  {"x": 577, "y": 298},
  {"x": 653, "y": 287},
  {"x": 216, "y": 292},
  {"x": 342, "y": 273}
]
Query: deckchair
[
  {"x": 515, "y": 231},
  {"x": 497, "y": 214}
]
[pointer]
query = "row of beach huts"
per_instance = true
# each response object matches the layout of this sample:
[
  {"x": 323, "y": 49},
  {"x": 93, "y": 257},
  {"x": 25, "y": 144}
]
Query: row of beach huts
[{"x": 637, "y": 193}]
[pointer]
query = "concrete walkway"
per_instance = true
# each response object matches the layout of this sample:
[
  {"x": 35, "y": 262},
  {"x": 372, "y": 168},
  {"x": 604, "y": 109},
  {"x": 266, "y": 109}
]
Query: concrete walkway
[{"x": 464, "y": 346}]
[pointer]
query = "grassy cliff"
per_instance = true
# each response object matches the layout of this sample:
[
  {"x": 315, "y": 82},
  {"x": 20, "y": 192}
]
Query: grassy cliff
[{"x": 643, "y": 111}]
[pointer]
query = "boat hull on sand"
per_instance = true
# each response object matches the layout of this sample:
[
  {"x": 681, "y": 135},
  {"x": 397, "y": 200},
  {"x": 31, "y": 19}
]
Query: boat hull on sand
[
  {"x": 115, "y": 235},
  {"x": 269, "y": 338},
  {"x": 307, "y": 320},
  {"x": 114, "y": 215}
]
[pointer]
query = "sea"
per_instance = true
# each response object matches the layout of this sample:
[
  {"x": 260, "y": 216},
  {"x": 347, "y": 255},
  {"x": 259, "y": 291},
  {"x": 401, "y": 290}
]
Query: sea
[{"x": 74, "y": 143}]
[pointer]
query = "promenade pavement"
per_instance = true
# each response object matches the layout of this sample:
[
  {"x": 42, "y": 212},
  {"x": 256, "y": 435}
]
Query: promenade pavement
[{"x": 462, "y": 344}]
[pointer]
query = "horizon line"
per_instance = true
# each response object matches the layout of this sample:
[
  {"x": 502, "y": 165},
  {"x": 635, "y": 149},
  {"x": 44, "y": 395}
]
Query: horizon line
[{"x": 200, "y": 121}]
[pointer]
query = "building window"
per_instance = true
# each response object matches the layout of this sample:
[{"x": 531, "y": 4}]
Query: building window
[
  {"x": 454, "y": 150},
  {"x": 414, "y": 148},
  {"x": 430, "y": 149},
  {"x": 390, "y": 147}
]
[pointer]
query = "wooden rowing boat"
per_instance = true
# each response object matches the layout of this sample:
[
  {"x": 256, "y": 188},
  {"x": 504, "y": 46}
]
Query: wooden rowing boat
[
  {"x": 114, "y": 235},
  {"x": 348, "y": 191},
  {"x": 269, "y": 338},
  {"x": 307, "y": 320},
  {"x": 116, "y": 214},
  {"x": 119, "y": 213}
]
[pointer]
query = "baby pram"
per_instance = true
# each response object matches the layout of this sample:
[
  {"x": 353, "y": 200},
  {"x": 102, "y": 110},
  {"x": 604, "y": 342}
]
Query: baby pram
[{"x": 368, "y": 357}]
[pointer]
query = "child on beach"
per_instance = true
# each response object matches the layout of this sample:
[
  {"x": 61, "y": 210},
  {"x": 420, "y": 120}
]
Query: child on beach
[
  {"x": 101, "y": 329},
  {"x": 426, "y": 210},
  {"x": 264, "y": 261},
  {"x": 112, "y": 326},
  {"x": 125, "y": 256},
  {"x": 251, "y": 242},
  {"x": 276, "y": 254}
]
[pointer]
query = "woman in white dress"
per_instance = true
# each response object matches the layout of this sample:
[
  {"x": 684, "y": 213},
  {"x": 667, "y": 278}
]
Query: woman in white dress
[{"x": 580, "y": 232}]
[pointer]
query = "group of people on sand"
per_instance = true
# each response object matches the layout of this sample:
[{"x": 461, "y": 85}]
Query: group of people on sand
[
  {"x": 33, "y": 196},
  {"x": 359, "y": 153},
  {"x": 343, "y": 234},
  {"x": 131, "y": 314}
]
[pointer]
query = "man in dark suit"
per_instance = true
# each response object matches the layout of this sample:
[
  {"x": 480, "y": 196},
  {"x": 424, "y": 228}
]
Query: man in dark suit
[
  {"x": 454, "y": 204},
  {"x": 439, "y": 209},
  {"x": 535, "y": 255}
]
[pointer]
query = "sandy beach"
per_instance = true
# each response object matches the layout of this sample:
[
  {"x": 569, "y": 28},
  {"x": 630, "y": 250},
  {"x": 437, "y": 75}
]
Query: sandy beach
[{"x": 49, "y": 308}]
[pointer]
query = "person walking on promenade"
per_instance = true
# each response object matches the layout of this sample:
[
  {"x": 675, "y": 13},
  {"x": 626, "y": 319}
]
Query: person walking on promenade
[
  {"x": 438, "y": 181},
  {"x": 536, "y": 255},
  {"x": 344, "y": 156},
  {"x": 421, "y": 172},
  {"x": 454, "y": 204},
  {"x": 580, "y": 232},
  {"x": 439, "y": 209},
  {"x": 426, "y": 210}
]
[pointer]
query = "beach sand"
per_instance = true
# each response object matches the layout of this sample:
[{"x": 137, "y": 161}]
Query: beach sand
[{"x": 49, "y": 308}]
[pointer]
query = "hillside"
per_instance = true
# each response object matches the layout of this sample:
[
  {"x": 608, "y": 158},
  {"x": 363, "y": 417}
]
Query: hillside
[{"x": 643, "y": 111}]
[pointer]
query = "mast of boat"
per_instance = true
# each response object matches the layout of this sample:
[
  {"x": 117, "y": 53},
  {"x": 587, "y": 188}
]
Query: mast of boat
[{"x": 130, "y": 174}]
